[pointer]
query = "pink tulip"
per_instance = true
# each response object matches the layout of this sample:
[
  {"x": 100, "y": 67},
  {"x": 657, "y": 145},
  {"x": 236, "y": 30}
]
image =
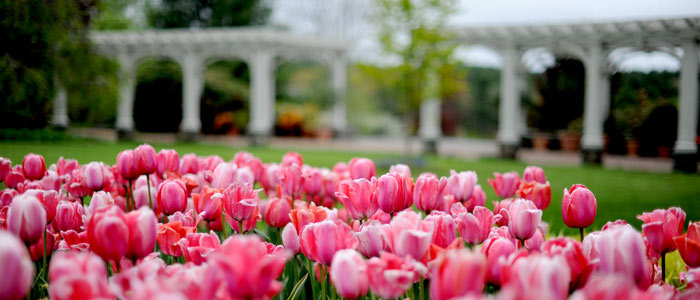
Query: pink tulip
[
  {"x": 497, "y": 248},
  {"x": 33, "y": 166},
  {"x": 320, "y": 241},
  {"x": 478, "y": 198},
  {"x": 688, "y": 245},
  {"x": 498, "y": 207},
  {"x": 69, "y": 216},
  {"x": 15, "y": 177},
  {"x": 244, "y": 174},
  {"x": 691, "y": 278},
  {"x": 169, "y": 235},
  {"x": 444, "y": 228},
  {"x": 245, "y": 159},
  {"x": 48, "y": 199},
  {"x": 290, "y": 239},
  {"x": 609, "y": 287},
  {"x": 661, "y": 226},
  {"x": 370, "y": 238},
  {"x": 270, "y": 178},
  {"x": 313, "y": 181},
  {"x": 146, "y": 162},
  {"x": 457, "y": 273},
  {"x": 461, "y": 185},
  {"x": 291, "y": 181},
  {"x": 189, "y": 164},
  {"x": 400, "y": 168},
  {"x": 362, "y": 168},
  {"x": 78, "y": 275},
  {"x": 248, "y": 224},
  {"x": 394, "y": 192},
  {"x": 408, "y": 235},
  {"x": 428, "y": 192},
  {"x": 6, "y": 196},
  {"x": 108, "y": 233},
  {"x": 5, "y": 167},
  {"x": 18, "y": 269},
  {"x": 390, "y": 276},
  {"x": 359, "y": 197},
  {"x": 127, "y": 164},
  {"x": 142, "y": 232},
  {"x": 473, "y": 227},
  {"x": 141, "y": 197},
  {"x": 100, "y": 199},
  {"x": 578, "y": 207},
  {"x": 51, "y": 181},
  {"x": 77, "y": 186},
  {"x": 196, "y": 247},
  {"x": 292, "y": 158},
  {"x": 572, "y": 251},
  {"x": 66, "y": 166},
  {"x": 349, "y": 274},
  {"x": 621, "y": 251},
  {"x": 172, "y": 196},
  {"x": 505, "y": 185},
  {"x": 26, "y": 218},
  {"x": 224, "y": 175},
  {"x": 538, "y": 193},
  {"x": 533, "y": 173},
  {"x": 94, "y": 176},
  {"x": 534, "y": 244},
  {"x": 536, "y": 276},
  {"x": 209, "y": 163},
  {"x": 276, "y": 212},
  {"x": 249, "y": 272},
  {"x": 167, "y": 162},
  {"x": 523, "y": 219},
  {"x": 301, "y": 217},
  {"x": 208, "y": 203},
  {"x": 240, "y": 201}
]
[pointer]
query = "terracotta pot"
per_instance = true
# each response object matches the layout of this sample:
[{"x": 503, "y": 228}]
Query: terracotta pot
[
  {"x": 540, "y": 142},
  {"x": 570, "y": 142},
  {"x": 632, "y": 147},
  {"x": 664, "y": 152}
]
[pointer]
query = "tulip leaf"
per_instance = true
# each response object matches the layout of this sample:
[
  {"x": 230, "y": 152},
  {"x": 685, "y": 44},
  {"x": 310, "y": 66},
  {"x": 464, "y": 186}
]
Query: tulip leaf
[{"x": 297, "y": 287}]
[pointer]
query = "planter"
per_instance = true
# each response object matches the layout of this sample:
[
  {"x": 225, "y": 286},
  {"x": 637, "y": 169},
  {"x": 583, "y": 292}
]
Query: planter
[
  {"x": 664, "y": 152},
  {"x": 540, "y": 142},
  {"x": 632, "y": 147},
  {"x": 570, "y": 142}
]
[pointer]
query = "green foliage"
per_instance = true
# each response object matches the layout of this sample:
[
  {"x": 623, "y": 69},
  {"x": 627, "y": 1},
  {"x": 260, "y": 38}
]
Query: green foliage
[
  {"x": 559, "y": 93},
  {"x": 225, "y": 97},
  {"x": 112, "y": 15},
  {"x": 159, "y": 90},
  {"x": 39, "y": 135},
  {"x": 207, "y": 13}
]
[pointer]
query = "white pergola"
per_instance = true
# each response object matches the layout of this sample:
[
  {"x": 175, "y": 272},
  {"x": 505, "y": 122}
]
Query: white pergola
[
  {"x": 592, "y": 43},
  {"x": 195, "y": 49}
]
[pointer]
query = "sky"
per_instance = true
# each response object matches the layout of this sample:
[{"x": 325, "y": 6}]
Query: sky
[{"x": 522, "y": 12}]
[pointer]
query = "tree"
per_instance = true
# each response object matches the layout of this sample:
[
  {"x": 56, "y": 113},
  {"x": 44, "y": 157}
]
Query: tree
[{"x": 207, "y": 13}]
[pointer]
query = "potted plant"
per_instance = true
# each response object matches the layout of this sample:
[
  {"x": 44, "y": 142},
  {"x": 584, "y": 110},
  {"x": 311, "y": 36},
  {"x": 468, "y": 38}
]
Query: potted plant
[
  {"x": 570, "y": 138},
  {"x": 629, "y": 120},
  {"x": 540, "y": 141}
]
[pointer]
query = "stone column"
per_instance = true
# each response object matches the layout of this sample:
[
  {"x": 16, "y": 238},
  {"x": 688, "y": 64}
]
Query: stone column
[
  {"x": 262, "y": 93},
  {"x": 429, "y": 126},
  {"x": 340, "y": 122},
  {"x": 685, "y": 150},
  {"x": 125, "y": 109},
  {"x": 509, "y": 106},
  {"x": 192, "y": 84},
  {"x": 592, "y": 140},
  {"x": 60, "y": 108}
]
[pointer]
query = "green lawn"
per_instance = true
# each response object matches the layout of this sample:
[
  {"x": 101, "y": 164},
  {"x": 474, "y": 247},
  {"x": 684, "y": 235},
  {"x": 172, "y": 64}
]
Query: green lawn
[{"x": 620, "y": 194}]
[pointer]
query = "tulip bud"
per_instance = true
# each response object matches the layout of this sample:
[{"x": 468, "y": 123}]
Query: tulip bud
[
  {"x": 224, "y": 175},
  {"x": 127, "y": 165},
  {"x": 26, "y": 218},
  {"x": 142, "y": 232},
  {"x": 172, "y": 196},
  {"x": 69, "y": 216},
  {"x": 167, "y": 161},
  {"x": 371, "y": 239},
  {"x": 461, "y": 185},
  {"x": 523, "y": 219},
  {"x": 146, "y": 162},
  {"x": 359, "y": 197},
  {"x": 349, "y": 274},
  {"x": 18, "y": 268},
  {"x": 578, "y": 207},
  {"x": 428, "y": 192},
  {"x": 33, "y": 166},
  {"x": 240, "y": 201},
  {"x": 394, "y": 192},
  {"x": 474, "y": 228},
  {"x": 108, "y": 233},
  {"x": 276, "y": 212},
  {"x": 536, "y": 174},
  {"x": 362, "y": 168},
  {"x": 292, "y": 158},
  {"x": 505, "y": 185},
  {"x": 5, "y": 167},
  {"x": 538, "y": 193},
  {"x": 208, "y": 203},
  {"x": 320, "y": 241},
  {"x": 189, "y": 164},
  {"x": 400, "y": 168},
  {"x": 444, "y": 228},
  {"x": 290, "y": 238}
]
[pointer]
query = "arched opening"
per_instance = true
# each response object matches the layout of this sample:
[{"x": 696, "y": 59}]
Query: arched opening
[
  {"x": 225, "y": 98},
  {"x": 158, "y": 96},
  {"x": 304, "y": 98}
]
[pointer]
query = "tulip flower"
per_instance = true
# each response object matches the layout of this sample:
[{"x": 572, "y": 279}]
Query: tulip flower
[
  {"x": 497, "y": 249},
  {"x": 578, "y": 207},
  {"x": 37, "y": 251},
  {"x": 270, "y": 178},
  {"x": 224, "y": 175},
  {"x": 276, "y": 212},
  {"x": 362, "y": 168},
  {"x": 428, "y": 192},
  {"x": 538, "y": 193},
  {"x": 142, "y": 232},
  {"x": 443, "y": 228},
  {"x": 6, "y": 196},
  {"x": 245, "y": 225},
  {"x": 394, "y": 192},
  {"x": 209, "y": 203},
  {"x": 473, "y": 227},
  {"x": 48, "y": 199},
  {"x": 78, "y": 275},
  {"x": 370, "y": 238},
  {"x": 249, "y": 272},
  {"x": 505, "y": 185},
  {"x": 301, "y": 217},
  {"x": 127, "y": 165},
  {"x": 292, "y": 158},
  {"x": 359, "y": 197},
  {"x": 320, "y": 241},
  {"x": 15, "y": 177},
  {"x": 26, "y": 218},
  {"x": 189, "y": 164},
  {"x": 478, "y": 198},
  {"x": 169, "y": 235},
  {"x": 167, "y": 162},
  {"x": 621, "y": 251},
  {"x": 408, "y": 235},
  {"x": 660, "y": 227},
  {"x": 390, "y": 276},
  {"x": 536, "y": 276},
  {"x": 245, "y": 159},
  {"x": 523, "y": 219},
  {"x": 33, "y": 166},
  {"x": 457, "y": 273},
  {"x": 349, "y": 274},
  {"x": 290, "y": 239},
  {"x": 108, "y": 233},
  {"x": 77, "y": 186},
  {"x": 535, "y": 174},
  {"x": 244, "y": 174},
  {"x": 688, "y": 245},
  {"x": 572, "y": 251},
  {"x": 16, "y": 266},
  {"x": 291, "y": 181},
  {"x": 240, "y": 201},
  {"x": 609, "y": 287},
  {"x": 94, "y": 176},
  {"x": 461, "y": 185},
  {"x": 69, "y": 216},
  {"x": 5, "y": 167},
  {"x": 141, "y": 198},
  {"x": 196, "y": 247},
  {"x": 145, "y": 159},
  {"x": 400, "y": 168},
  {"x": 172, "y": 196}
]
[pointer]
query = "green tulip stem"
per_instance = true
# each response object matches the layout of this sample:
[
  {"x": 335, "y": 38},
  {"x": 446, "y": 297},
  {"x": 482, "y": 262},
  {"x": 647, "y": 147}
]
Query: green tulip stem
[{"x": 148, "y": 184}]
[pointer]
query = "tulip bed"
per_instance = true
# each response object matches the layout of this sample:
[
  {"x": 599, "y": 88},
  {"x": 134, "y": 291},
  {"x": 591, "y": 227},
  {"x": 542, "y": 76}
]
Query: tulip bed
[{"x": 170, "y": 226}]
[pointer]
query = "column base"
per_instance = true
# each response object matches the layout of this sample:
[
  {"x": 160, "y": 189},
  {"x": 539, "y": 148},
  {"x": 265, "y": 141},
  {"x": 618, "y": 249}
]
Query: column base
[
  {"x": 687, "y": 163},
  {"x": 188, "y": 136},
  {"x": 430, "y": 147},
  {"x": 259, "y": 140},
  {"x": 592, "y": 156},
  {"x": 125, "y": 135},
  {"x": 508, "y": 151}
]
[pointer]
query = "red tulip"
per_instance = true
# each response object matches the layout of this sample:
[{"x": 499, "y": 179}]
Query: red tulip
[
  {"x": 621, "y": 251},
  {"x": 390, "y": 276},
  {"x": 292, "y": 158},
  {"x": 301, "y": 217},
  {"x": 146, "y": 161},
  {"x": 291, "y": 181},
  {"x": 523, "y": 219},
  {"x": 189, "y": 164},
  {"x": 578, "y": 207},
  {"x": 142, "y": 232},
  {"x": 26, "y": 218},
  {"x": 320, "y": 241},
  {"x": 313, "y": 181},
  {"x": 208, "y": 203},
  {"x": 167, "y": 162},
  {"x": 498, "y": 207},
  {"x": 444, "y": 228},
  {"x": 33, "y": 166},
  {"x": 497, "y": 248},
  {"x": 661, "y": 226},
  {"x": 169, "y": 235},
  {"x": 394, "y": 192},
  {"x": 224, "y": 175},
  {"x": 51, "y": 181},
  {"x": 249, "y": 272},
  {"x": 359, "y": 197},
  {"x": 572, "y": 251},
  {"x": 409, "y": 235},
  {"x": 276, "y": 212},
  {"x": 127, "y": 164},
  {"x": 349, "y": 274},
  {"x": 689, "y": 245},
  {"x": 538, "y": 193},
  {"x": 16, "y": 266},
  {"x": 505, "y": 185},
  {"x": 66, "y": 166},
  {"x": 196, "y": 247},
  {"x": 240, "y": 201},
  {"x": 5, "y": 167},
  {"x": 536, "y": 174},
  {"x": 6, "y": 196},
  {"x": 536, "y": 276},
  {"x": 49, "y": 199},
  {"x": 69, "y": 216},
  {"x": 362, "y": 168},
  {"x": 78, "y": 275},
  {"x": 473, "y": 227},
  {"x": 290, "y": 239},
  {"x": 457, "y": 273},
  {"x": 108, "y": 233},
  {"x": 428, "y": 192},
  {"x": 172, "y": 196},
  {"x": 77, "y": 186},
  {"x": 370, "y": 238}
]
